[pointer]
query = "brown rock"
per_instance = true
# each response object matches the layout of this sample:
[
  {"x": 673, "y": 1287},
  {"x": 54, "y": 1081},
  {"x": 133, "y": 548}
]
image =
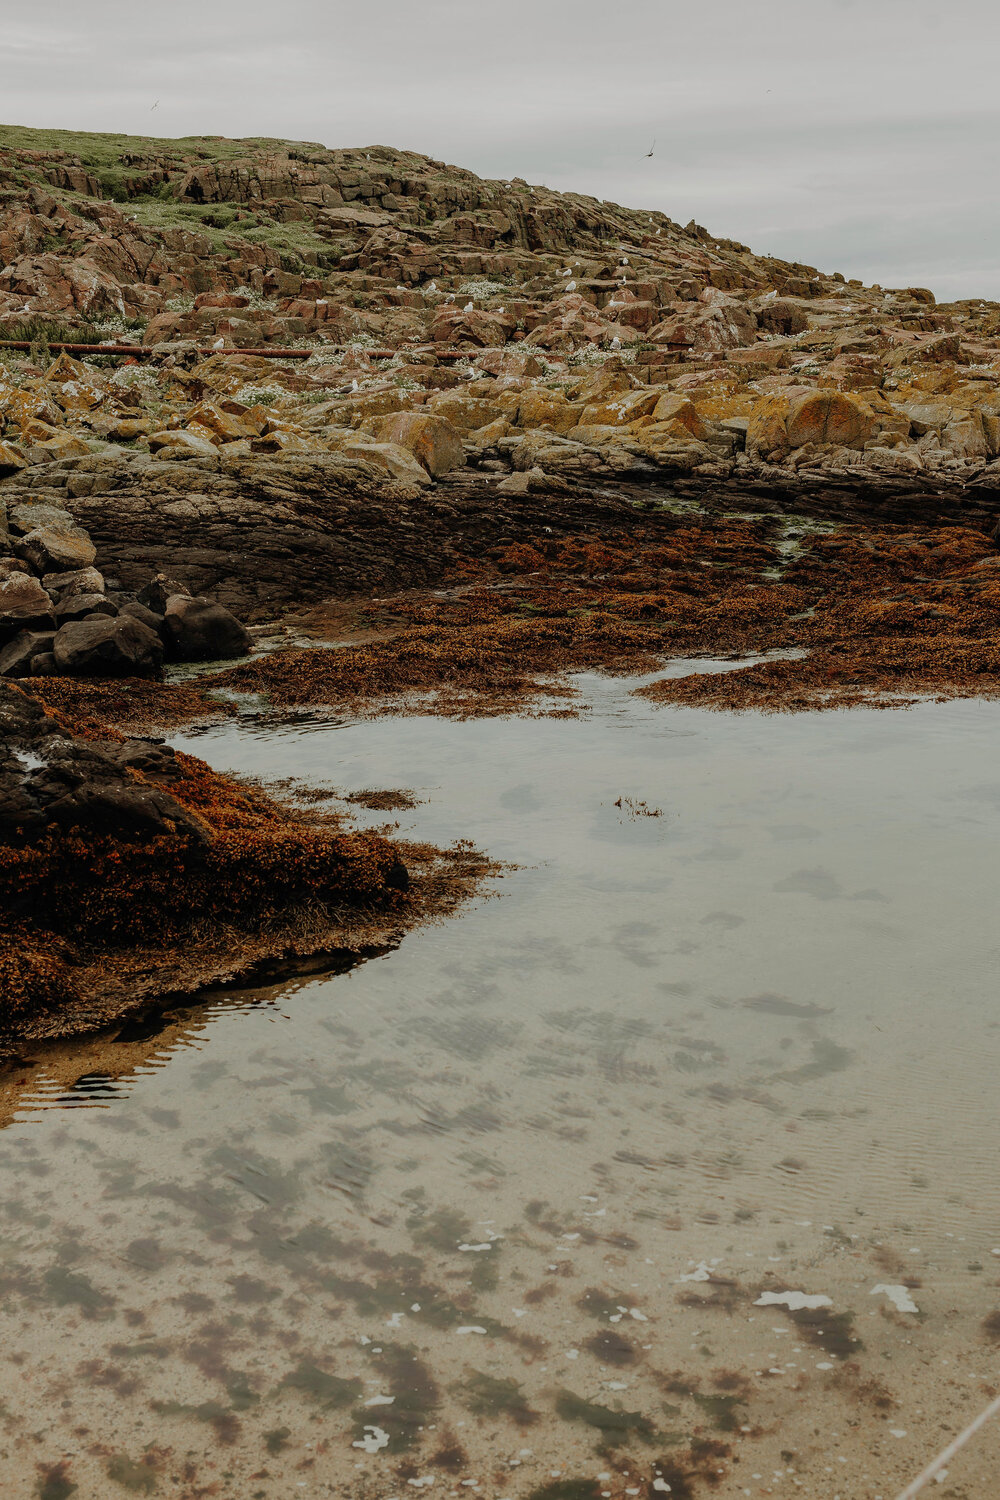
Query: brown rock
[
  {"x": 16, "y": 657},
  {"x": 829, "y": 417},
  {"x": 23, "y": 601},
  {"x": 80, "y": 606},
  {"x": 80, "y": 581},
  {"x": 198, "y": 630},
  {"x": 56, "y": 549},
  {"x": 432, "y": 441}
]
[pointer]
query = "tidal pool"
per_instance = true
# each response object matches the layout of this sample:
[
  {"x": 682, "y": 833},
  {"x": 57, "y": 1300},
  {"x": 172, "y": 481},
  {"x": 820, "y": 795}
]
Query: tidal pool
[{"x": 669, "y": 1166}]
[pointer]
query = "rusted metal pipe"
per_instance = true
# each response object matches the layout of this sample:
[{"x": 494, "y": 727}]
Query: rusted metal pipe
[
  {"x": 147, "y": 349},
  {"x": 269, "y": 352}
]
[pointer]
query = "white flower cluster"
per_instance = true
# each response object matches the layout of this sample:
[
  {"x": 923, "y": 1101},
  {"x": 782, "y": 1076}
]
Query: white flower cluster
[
  {"x": 257, "y": 302},
  {"x": 259, "y": 395},
  {"x": 482, "y": 289},
  {"x": 117, "y": 329},
  {"x": 590, "y": 354},
  {"x": 135, "y": 377}
]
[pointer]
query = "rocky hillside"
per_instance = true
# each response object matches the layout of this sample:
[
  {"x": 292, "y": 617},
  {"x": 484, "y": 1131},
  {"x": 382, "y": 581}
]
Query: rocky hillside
[{"x": 432, "y": 327}]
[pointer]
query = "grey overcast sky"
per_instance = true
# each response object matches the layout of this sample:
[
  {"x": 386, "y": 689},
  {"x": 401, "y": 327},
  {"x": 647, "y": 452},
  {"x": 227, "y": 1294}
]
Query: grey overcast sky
[{"x": 857, "y": 135}]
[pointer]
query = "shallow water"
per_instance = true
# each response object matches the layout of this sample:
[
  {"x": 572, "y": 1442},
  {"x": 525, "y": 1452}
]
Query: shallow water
[{"x": 496, "y": 1212}]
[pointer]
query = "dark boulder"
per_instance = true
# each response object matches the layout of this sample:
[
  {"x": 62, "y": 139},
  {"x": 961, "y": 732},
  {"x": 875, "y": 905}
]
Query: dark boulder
[
  {"x": 80, "y": 606},
  {"x": 102, "y": 647},
  {"x": 16, "y": 657},
  {"x": 158, "y": 590},
  {"x": 145, "y": 616},
  {"x": 198, "y": 630}
]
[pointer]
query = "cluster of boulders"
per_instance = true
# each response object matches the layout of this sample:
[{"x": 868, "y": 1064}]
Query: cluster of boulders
[{"x": 57, "y": 616}]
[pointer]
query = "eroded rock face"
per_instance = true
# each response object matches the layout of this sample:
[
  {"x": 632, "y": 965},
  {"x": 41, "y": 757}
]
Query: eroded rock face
[{"x": 460, "y": 330}]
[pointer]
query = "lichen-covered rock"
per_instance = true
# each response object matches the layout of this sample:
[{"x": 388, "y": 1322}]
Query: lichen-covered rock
[
  {"x": 432, "y": 440},
  {"x": 829, "y": 417},
  {"x": 56, "y": 549}
]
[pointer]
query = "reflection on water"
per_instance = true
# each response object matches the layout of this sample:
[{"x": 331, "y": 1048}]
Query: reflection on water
[{"x": 670, "y": 1171}]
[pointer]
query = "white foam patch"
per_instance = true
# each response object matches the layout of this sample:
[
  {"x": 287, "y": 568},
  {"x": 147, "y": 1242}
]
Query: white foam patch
[
  {"x": 899, "y": 1296},
  {"x": 380, "y": 1400},
  {"x": 794, "y": 1301},
  {"x": 702, "y": 1273},
  {"x": 373, "y": 1440},
  {"x": 470, "y": 1328}
]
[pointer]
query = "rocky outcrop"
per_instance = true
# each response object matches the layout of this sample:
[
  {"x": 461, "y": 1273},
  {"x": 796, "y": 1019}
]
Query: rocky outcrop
[
  {"x": 53, "y": 781},
  {"x": 473, "y": 347},
  {"x": 56, "y": 616}
]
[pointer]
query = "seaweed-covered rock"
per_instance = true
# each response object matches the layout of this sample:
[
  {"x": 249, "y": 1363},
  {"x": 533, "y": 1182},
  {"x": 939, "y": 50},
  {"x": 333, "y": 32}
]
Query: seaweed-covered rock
[{"x": 49, "y": 779}]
